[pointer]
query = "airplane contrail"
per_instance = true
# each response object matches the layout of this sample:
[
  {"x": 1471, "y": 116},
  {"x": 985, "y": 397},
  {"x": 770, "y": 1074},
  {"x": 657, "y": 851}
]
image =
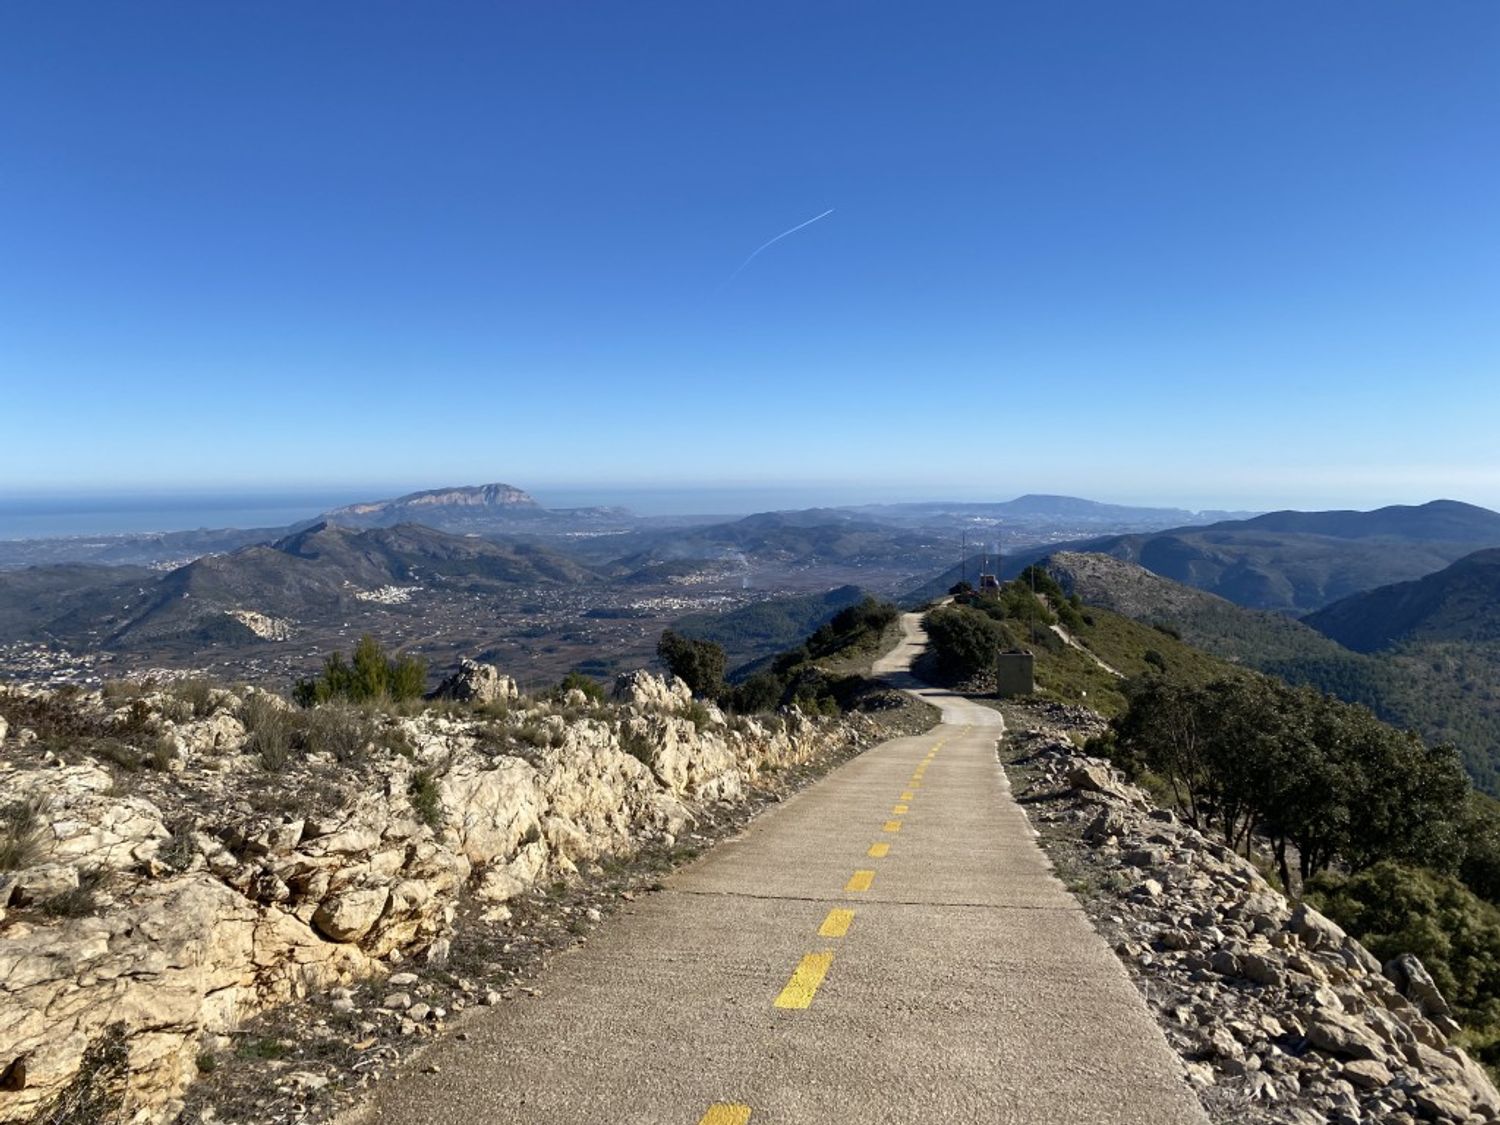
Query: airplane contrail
[{"x": 775, "y": 240}]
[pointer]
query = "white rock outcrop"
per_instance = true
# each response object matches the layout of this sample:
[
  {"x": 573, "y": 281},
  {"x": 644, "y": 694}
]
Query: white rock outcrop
[{"x": 232, "y": 909}]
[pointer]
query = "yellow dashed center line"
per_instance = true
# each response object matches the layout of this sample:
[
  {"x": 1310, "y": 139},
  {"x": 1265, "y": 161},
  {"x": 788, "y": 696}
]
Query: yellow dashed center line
[
  {"x": 860, "y": 881},
  {"x": 726, "y": 1113},
  {"x": 836, "y": 924},
  {"x": 899, "y": 810},
  {"x": 908, "y": 795},
  {"x": 892, "y": 826},
  {"x": 878, "y": 851},
  {"x": 806, "y": 977}
]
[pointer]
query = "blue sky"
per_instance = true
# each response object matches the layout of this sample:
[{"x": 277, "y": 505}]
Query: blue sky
[{"x": 1212, "y": 254}]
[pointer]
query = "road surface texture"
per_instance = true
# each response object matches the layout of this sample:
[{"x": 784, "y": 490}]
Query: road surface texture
[{"x": 886, "y": 946}]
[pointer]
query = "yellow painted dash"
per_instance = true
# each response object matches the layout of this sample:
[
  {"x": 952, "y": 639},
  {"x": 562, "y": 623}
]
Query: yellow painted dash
[
  {"x": 899, "y": 810},
  {"x": 878, "y": 851},
  {"x": 892, "y": 826},
  {"x": 908, "y": 795},
  {"x": 806, "y": 977},
  {"x": 860, "y": 881},
  {"x": 726, "y": 1113},
  {"x": 836, "y": 924}
]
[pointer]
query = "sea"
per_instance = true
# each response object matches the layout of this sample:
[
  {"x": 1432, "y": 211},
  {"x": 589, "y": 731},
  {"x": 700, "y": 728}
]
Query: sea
[
  {"x": 50, "y": 517},
  {"x": 55, "y": 516}
]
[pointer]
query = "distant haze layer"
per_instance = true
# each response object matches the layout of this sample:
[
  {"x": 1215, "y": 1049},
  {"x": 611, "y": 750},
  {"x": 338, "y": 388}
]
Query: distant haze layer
[{"x": 40, "y": 517}]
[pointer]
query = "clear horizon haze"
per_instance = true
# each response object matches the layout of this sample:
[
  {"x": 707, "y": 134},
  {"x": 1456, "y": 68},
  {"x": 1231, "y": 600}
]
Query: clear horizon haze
[{"x": 1226, "y": 256}]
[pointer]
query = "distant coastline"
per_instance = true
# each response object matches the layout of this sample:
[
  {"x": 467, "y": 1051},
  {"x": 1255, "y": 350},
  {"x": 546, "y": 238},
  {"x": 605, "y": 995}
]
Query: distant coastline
[{"x": 73, "y": 516}]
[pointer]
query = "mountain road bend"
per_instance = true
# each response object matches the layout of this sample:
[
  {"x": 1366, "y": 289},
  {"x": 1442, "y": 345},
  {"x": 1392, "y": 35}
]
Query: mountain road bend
[{"x": 889, "y": 945}]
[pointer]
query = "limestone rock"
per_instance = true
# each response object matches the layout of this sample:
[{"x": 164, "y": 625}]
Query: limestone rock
[
  {"x": 1414, "y": 982},
  {"x": 649, "y": 692},
  {"x": 474, "y": 682},
  {"x": 349, "y": 915},
  {"x": 250, "y": 909}
]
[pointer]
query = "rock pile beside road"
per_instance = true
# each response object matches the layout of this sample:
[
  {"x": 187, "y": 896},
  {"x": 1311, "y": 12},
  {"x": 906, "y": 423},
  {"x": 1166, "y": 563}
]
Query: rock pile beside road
[
  {"x": 1279, "y": 1015},
  {"x": 151, "y": 913}
]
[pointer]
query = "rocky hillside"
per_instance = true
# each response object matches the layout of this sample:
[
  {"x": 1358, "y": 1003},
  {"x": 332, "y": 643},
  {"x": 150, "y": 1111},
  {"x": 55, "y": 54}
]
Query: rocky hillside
[
  {"x": 1279, "y": 1015},
  {"x": 175, "y": 863},
  {"x": 1254, "y": 638}
]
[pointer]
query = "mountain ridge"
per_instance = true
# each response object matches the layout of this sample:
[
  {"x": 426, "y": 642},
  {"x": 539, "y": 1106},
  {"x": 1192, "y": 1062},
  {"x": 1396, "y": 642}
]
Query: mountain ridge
[{"x": 1458, "y": 603}]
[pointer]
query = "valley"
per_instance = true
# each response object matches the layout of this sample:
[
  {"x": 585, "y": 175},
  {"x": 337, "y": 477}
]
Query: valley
[{"x": 476, "y": 571}]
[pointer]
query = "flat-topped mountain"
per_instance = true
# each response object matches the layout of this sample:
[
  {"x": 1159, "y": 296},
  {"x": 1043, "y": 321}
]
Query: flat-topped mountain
[
  {"x": 490, "y": 498},
  {"x": 476, "y": 508},
  {"x": 1460, "y": 603}
]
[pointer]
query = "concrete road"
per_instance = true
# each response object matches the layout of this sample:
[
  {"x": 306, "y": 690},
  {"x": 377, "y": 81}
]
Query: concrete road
[{"x": 887, "y": 946}]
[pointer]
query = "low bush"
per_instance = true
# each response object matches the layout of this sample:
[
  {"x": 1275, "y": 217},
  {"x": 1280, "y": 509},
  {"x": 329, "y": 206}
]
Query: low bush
[
  {"x": 337, "y": 729},
  {"x": 20, "y": 834},
  {"x": 425, "y": 798},
  {"x": 198, "y": 694}
]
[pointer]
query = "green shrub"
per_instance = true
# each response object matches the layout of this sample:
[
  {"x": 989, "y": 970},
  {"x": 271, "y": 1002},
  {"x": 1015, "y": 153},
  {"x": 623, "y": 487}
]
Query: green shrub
[
  {"x": 637, "y": 744},
  {"x": 590, "y": 687},
  {"x": 760, "y": 692},
  {"x": 699, "y": 664},
  {"x": 1318, "y": 778},
  {"x": 425, "y": 798},
  {"x": 965, "y": 641},
  {"x": 698, "y": 715},
  {"x": 369, "y": 675}
]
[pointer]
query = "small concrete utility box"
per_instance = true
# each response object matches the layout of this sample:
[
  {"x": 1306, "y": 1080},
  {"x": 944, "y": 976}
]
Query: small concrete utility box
[{"x": 1015, "y": 674}]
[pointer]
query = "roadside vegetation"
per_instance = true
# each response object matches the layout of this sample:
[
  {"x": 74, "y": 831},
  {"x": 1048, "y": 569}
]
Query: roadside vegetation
[
  {"x": 810, "y": 676},
  {"x": 1379, "y": 830},
  {"x": 967, "y": 633}
]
